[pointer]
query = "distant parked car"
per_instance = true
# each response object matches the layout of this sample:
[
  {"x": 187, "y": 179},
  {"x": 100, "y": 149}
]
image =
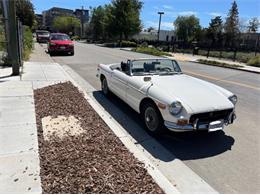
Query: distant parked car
[
  {"x": 42, "y": 36},
  {"x": 164, "y": 96},
  {"x": 60, "y": 43}
]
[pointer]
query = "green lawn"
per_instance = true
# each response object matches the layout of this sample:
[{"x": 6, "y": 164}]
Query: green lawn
[{"x": 151, "y": 51}]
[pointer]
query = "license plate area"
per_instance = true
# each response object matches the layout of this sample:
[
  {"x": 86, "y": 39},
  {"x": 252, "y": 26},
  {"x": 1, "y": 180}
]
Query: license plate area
[
  {"x": 62, "y": 47},
  {"x": 216, "y": 125}
]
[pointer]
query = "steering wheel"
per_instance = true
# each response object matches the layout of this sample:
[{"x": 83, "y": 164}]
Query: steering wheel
[{"x": 166, "y": 69}]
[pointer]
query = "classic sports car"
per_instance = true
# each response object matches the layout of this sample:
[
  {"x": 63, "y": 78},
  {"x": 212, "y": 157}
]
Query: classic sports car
[
  {"x": 164, "y": 96},
  {"x": 60, "y": 43}
]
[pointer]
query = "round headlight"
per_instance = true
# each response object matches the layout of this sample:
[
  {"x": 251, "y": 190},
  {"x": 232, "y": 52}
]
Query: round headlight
[
  {"x": 175, "y": 108},
  {"x": 233, "y": 99}
]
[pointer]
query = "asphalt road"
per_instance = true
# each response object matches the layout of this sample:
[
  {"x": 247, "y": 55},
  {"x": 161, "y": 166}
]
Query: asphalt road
[{"x": 229, "y": 161}]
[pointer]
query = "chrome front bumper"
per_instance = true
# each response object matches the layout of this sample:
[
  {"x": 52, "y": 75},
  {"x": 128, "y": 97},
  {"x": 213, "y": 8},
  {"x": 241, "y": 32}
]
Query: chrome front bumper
[{"x": 198, "y": 126}]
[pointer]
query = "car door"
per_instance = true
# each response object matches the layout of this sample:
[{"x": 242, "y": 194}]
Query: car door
[
  {"x": 135, "y": 91},
  {"x": 119, "y": 83}
]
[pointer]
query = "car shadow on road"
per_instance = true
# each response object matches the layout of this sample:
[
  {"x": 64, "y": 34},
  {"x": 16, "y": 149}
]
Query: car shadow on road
[{"x": 166, "y": 147}]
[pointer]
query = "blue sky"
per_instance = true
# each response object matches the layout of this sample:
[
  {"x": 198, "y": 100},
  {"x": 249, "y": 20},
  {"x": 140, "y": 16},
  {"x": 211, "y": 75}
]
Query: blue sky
[{"x": 203, "y": 9}]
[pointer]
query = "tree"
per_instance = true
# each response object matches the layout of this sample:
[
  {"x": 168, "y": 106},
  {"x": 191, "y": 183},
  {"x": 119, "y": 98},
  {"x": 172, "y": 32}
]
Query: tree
[
  {"x": 66, "y": 24},
  {"x": 150, "y": 29},
  {"x": 214, "y": 32},
  {"x": 187, "y": 28},
  {"x": 126, "y": 17},
  {"x": 25, "y": 12},
  {"x": 232, "y": 25},
  {"x": 97, "y": 24},
  {"x": 215, "y": 29},
  {"x": 253, "y": 25}
]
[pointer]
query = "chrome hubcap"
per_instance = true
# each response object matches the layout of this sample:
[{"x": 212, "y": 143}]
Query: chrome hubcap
[{"x": 151, "y": 119}]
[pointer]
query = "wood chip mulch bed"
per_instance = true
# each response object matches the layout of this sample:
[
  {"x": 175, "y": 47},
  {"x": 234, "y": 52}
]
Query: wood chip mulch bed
[{"x": 93, "y": 162}]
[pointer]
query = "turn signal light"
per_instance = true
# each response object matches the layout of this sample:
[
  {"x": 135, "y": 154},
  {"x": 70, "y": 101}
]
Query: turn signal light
[
  {"x": 182, "y": 122},
  {"x": 162, "y": 106}
]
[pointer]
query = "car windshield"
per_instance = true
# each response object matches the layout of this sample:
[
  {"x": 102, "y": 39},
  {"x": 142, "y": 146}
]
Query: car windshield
[
  {"x": 154, "y": 66},
  {"x": 42, "y": 33},
  {"x": 60, "y": 37}
]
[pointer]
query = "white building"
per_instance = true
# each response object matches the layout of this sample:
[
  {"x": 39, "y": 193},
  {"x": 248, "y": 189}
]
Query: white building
[{"x": 165, "y": 35}]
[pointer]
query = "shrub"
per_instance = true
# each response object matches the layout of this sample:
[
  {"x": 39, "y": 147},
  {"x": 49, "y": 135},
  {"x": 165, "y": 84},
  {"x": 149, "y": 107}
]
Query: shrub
[
  {"x": 151, "y": 51},
  {"x": 144, "y": 44},
  {"x": 217, "y": 63},
  {"x": 255, "y": 61},
  {"x": 76, "y": 38},
  {"x": 128, "y": 44},
  {"x": 28, "y": 42}
]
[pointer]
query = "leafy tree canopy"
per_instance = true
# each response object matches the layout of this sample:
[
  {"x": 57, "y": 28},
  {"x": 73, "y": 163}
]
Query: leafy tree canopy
[
  {"x": 25, "y": 12},
  {"x": 66, "y": 24},
  {"x": 253, "y": 25},
  {"x": 187, "y": 27},
  {"x": 214, "y": 32}
]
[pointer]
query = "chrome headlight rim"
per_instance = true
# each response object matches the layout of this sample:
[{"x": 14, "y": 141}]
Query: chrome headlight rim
[
  {"x": 175, "y": 108},
  {"x": 233, "y": 99}
]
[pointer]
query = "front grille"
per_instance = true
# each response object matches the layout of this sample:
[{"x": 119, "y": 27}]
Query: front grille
[{"x": 211, "y": 116}]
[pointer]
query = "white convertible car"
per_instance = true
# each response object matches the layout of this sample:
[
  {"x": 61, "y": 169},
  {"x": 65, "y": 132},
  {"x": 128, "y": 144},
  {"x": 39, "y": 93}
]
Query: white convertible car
[{"x": 165, "y": 97}]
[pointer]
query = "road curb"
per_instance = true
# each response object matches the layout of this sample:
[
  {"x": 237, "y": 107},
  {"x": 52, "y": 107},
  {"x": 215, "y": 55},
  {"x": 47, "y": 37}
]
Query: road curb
[
  {"x": 245, "y": 70},
  {"x": 194, "y": 184}
]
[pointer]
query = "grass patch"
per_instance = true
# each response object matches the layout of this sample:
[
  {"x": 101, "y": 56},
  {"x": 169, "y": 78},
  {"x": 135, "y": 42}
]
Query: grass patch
[
  {"x": 255, "y": 61},
  {"x": 28, "y": 43},
  {"x": 122, "y": 44},
  {"x": 150, "y": 51},
  {"x": 220, "y": 64}
]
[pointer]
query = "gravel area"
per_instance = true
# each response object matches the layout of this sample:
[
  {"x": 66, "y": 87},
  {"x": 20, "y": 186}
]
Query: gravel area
[{"x": 93, "y": 162}]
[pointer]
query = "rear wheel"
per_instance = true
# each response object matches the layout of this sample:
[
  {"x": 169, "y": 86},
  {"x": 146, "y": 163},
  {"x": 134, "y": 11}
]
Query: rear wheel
[
  {"x": 104, "y": 86},
  {"x": 152, "y": 118}
]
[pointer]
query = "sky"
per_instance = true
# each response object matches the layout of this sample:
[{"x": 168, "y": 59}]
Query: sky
[{"x": 203, "y": 9}]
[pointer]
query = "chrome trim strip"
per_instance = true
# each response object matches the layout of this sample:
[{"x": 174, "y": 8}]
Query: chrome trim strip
[{"x": 178, "y": 128}]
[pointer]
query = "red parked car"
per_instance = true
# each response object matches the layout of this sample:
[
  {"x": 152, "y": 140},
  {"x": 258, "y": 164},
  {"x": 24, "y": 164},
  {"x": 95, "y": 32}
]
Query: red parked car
[{"x": 60, "y": 43}]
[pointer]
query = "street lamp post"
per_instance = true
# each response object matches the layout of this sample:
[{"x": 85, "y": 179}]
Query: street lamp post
[{"x": 160, "y": 13}]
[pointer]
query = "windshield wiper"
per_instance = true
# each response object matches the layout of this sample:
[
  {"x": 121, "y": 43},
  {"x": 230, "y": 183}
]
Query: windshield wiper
[{"x": 168, "y": 73}]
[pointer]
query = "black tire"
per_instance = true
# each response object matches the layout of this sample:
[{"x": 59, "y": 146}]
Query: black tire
[
  {"x": 104, "y": 87},
  {"x": 152, "y": 119}
]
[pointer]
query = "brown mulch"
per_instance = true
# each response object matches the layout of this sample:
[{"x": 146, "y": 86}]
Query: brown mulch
[{"x": 93, "y": 162}]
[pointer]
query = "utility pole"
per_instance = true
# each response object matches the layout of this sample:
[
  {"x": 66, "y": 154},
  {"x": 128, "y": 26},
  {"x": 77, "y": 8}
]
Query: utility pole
[
  {"x": 160, "y": 13},
  {"x": 82, "y": 21},
  {"x": 13, "y": 38}
]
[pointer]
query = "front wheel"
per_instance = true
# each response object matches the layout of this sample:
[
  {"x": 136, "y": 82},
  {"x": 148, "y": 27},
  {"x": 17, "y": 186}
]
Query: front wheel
[
  {"x": 152, "y": 119},
  {"x": 104, "y": 87}
]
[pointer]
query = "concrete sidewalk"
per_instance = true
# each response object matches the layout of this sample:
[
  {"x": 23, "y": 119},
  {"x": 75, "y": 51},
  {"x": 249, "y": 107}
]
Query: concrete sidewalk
[{"x": 20, "y": 166}]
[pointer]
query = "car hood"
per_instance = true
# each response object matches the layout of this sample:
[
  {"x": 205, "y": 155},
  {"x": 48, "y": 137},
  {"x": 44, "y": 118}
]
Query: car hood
[
  {"x": 196, "y": 94},
  {"x": 62, "y": 42}
]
